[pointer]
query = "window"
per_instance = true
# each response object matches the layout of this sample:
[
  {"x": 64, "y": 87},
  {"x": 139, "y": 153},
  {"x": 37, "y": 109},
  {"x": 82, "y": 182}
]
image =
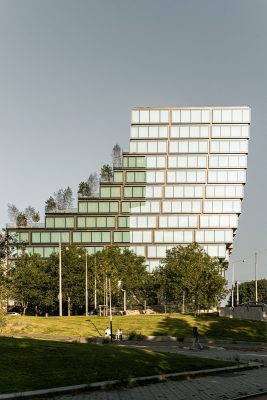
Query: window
[
  {"x": 155, "y": 176},
  {"x": 227, "y": 146},
  {"x": 23, "y": 237},
  {"x": 230, "y": 131},
  {"x": 121, "y": 237},
  {"x": 156, "y": 162},
  {"x": 138, "y": 250},
  {"x": 110, "y": 191},
  {"x": 189, "y": 146},
  {"x": 134, "y": 191},
  {"x": 153, "y": 192},
  {"x": 186, "y": 176},
  {"x": 59, "y": 222},
  {"x": 178, "y": 221},
  {"x": 173, "y": 236},
  {"x": 96, "y": 222},
  {"x": 123, "y": 222},
  {"x": 189, "y": 131},
  {"x": 146, "y": 207},
  {"x": 91, "y": 237},
  {"x": 183, "y": 191},
  {"x": 141, "y": 237},
  {"x": 224, "y": 191},
  {"x": 101, "y": 207},
  {"x": 191, "y": 115},
  {"x": 222, "y": 206},
  {"x": 231, "y": 115},
  {"x": 134, "y": 162},
  {"x": 140, "y": 221},
  {"x": 150, "y": 116},
  {"x": 236, "y": 161},
  {"x": 151, "y": 132},
  {"x": 148, "y": 147},
  {"x": 187, "y": 162},
  {"x": 193, "y": 206},
  {"x": 233, "y": 176},
  {"x": 136, "y": 177},
  {"x": 216, "y": 236},
  {"x": 118, "y": 177}
]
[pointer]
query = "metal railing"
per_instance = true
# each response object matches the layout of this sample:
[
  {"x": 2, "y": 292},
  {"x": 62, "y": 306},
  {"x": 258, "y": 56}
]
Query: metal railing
[{"x": 32, "y": 225}]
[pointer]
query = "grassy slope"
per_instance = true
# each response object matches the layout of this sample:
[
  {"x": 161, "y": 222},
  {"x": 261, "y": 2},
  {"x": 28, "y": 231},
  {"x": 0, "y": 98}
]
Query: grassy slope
[
  {"x": 27, "y": 364},
  {"x": 169, "y": 324}
]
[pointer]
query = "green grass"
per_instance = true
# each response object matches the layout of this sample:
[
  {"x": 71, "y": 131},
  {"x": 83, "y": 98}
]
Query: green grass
[
  {"x": 27, "y": 364},
  {"x": 164, "y": 324}
]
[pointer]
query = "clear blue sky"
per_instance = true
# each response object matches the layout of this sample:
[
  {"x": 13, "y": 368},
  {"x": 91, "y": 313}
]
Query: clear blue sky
[{"x": 71, "y": 70}]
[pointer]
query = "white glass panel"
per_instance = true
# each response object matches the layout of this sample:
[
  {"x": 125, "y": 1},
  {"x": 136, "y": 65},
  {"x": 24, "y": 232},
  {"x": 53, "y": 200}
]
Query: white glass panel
[
  {"x": 185, "y": 115},
  {"x": 135, "y": 117},
  {"x": 205, "y": 116},
  {"x": 196, "y": 116},
  {"x": 216, "y": 115},
  {"x": 134, "y": 132},
  {"x": 154, "y": 116},
  {"x": 144, "y": 116},
  {"x": 176, "y": 116},
  {"x": 164, "y": 116}
]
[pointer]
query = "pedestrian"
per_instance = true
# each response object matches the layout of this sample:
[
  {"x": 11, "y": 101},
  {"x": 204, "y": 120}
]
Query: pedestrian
[
  {"x": 107, "y": 332},
  {"x": 119, "y": 335},
  {"x": 196, "y": 344}
]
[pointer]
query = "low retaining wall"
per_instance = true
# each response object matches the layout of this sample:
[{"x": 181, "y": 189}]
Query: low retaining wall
[{"x": 254, "y": 313}]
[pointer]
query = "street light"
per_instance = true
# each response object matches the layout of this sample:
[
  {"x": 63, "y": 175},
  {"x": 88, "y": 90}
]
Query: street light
[
  {"x": 108, "y": 274},
  {"x": 124, "y": 296},
  {"x": 60, "y": 278}
]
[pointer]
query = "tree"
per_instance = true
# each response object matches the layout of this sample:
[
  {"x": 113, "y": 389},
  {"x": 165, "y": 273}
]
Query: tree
[
  {"x": 8, "y": 244},
  {"x": 29, "y": 212},
  {"x": 21, "y": 220},
  {"x": 12, "y": 213},
  {"x": 106, "y": 172},
  {"x": 117, "y": 156},
  {"x": 93, "y": 182},
  {"x": 28, "y": 281},
  {"x": 190, "y": 272},
  {"x": 84, "y": 189},
  {"x": 50, "y": 204},
  {"x": 36, "y": 217},
  {"x": 63, "y": 198},
  {"x": 247, "y": 291}
]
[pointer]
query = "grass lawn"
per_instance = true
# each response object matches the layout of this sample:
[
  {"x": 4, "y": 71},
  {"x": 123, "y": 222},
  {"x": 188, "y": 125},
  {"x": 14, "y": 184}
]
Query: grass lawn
[
  {"x": 28, "y": 364},
  {"x": 161, "y": 324}
]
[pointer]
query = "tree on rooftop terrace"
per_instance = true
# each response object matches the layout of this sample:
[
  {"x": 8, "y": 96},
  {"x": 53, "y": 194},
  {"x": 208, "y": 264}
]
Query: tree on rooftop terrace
[
  {"x": 63, "y": 198},
  {"x": 93, "y": 182},
  {"x": 188, "y": 271},
  {"x": 84, "y": 189},
  {"x": 36, "y": 217},
  {"x": 22, "y": 220},
  {"x": 50, "y": 204},
  {"x": 106, "y": 173},
  {"x": 12, "y": 213},
  {"x": 117, "y": 156}
]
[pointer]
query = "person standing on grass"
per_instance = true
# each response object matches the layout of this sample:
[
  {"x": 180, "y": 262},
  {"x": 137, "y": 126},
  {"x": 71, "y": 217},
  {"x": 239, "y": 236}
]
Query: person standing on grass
[
  {"x": 107, "y": 332},
  {"x": 119, "y": 335},
  {"x": 196, "y": 344}
]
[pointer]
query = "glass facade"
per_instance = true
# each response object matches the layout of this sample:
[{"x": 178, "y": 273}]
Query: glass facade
[{"x": 182, "y": 181}]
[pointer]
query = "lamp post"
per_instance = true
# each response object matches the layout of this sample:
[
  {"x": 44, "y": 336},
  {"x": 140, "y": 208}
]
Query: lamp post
[
  {"x": 60, "y": 278},
  {"x": 256, "y": 277},
  {"x": 108, "y": 274},
  {"x": 86, "y": 284},
  {"x": 124, "y": 296}
]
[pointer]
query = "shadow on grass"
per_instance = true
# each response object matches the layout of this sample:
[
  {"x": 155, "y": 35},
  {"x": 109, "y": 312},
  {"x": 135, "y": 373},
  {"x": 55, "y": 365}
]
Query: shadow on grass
[
  {"x": 213, "y": 327},
  {"x": 28, "y": 364}
]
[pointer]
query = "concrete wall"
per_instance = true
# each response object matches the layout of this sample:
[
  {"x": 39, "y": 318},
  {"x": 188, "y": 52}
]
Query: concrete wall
[{"x": 254, "y": 313}]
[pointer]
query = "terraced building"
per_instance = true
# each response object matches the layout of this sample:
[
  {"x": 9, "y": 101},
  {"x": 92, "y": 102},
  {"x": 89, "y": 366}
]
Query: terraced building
[{"x": 181, "y": 181}]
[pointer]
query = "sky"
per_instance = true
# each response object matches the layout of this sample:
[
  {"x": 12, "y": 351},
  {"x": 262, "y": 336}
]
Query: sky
[{"x": 70, "y": 72}]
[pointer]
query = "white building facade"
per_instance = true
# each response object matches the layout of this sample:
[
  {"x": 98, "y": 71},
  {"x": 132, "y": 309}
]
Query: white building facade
[{"x": 187, "y": 166}]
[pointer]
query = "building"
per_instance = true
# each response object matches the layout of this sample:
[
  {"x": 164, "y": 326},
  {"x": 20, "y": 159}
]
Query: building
[{"x": 181, "y": 181}]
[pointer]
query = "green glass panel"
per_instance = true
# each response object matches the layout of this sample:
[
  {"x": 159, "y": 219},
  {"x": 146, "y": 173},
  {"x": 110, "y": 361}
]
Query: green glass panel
[
  {"x": 29, "y": 250},
  {"x": 86, "y": 237},
  {"x": 126, "y": 236},
  {"x": 105, "y": 191},
  {"x": 128, "y": 191},
  {"x": 48, "y": 251},
  {"x": 110, "y": 222},
  {"x": 105, "y": 237},
  {"x": 96, "y": 237},
  {"x": 115, "y": 192},
  {"x": 23, "y": 237},
  {"x": 131, "y": 162},
  {"x": 123, "y": 222},
  {"x": 77, "y": 237},
  {"x": 125, "y": 161},
  {"x": 114, "y": 207},
  {"x": 92, "y": 207},
  {"x": 125, "y": 206},
  {"x": 60, "y": 222},
  {"x": 81, "y": 222},
  {"x": 104, "y": 207},
  {"x": 138, "y": 191},
  {"x": 130, "y": 177},
  {"x": 117, "y": 237},
  {"x": 140, "y": 176},
  {"x": 82, "y": 206},
  {"x": 118, "y": 177},
  {"x": 101, "y": 222},
  {"x": 36, "y": 237},
  {"x": 55, "y": 237},
  {"x": 49, "y": 222},
  {"x": 69, "y": 222},
  {"x": 90, "y": 222},
  {"x": 39, "y": 250},
  {"x": 65, "y": 237},
  {"x": 90, "y": 250},
  {"x": 45, "y": 237},
  {"x": 140, "y": 162}
]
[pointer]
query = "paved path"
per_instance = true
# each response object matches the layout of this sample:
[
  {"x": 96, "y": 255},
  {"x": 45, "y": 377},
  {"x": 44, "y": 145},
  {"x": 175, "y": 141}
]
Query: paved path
[{"x": 217, "y": 387}]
